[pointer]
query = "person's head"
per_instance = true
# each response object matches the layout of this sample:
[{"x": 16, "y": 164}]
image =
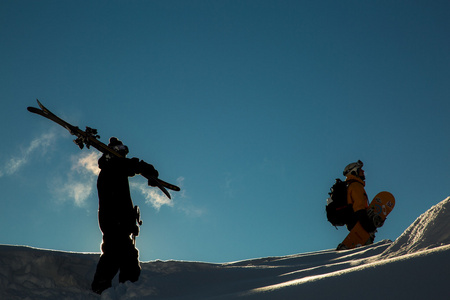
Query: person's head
[
  {"x": 118, "y": 146},
  {"x": 355, "y": 169}
]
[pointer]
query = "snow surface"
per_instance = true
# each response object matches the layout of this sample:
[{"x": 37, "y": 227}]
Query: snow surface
[{"x": 415, "y": 266}]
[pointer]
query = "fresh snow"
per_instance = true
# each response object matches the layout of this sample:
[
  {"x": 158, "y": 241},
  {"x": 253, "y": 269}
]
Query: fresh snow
[{"x": 415, "y": 266}]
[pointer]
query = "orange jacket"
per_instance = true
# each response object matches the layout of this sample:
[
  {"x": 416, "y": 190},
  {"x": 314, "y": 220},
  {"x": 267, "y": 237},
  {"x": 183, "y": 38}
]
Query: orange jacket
[{"x": 356, "y": 194}]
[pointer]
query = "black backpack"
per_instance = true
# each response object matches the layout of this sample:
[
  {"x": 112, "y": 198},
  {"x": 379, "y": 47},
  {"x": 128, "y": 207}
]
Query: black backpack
[{"x": 338, "y": 211}]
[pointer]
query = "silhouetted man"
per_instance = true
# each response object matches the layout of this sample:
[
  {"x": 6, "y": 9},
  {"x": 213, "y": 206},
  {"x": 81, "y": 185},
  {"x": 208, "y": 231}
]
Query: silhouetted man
[{"x": 117, "y": 217}]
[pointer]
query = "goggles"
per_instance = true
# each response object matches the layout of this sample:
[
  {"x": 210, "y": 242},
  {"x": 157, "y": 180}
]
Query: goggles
[{"x": 121, "y": 149}]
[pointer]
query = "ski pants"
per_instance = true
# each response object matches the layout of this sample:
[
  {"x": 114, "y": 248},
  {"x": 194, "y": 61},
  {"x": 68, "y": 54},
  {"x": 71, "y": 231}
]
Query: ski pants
[{"x": 118, "y": 254}]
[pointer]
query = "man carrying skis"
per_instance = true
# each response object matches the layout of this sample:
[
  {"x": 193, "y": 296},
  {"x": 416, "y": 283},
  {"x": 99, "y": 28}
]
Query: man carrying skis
[
  {"x": 118, "y": 216},
  {"x": 357, "y": 198}
]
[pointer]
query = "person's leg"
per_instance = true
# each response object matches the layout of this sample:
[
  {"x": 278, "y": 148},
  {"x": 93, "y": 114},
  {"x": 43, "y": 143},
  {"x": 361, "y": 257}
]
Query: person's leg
[
  {"x": 130, "y": 268},
  {"x": 107, "y": 267}
]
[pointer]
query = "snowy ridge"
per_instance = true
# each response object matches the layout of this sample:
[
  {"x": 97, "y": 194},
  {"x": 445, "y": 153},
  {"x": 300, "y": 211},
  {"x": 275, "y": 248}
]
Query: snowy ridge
[
  {"x": 428, "y": 231},
  {"x": 30, "y": 273},
  {"x": 415, "y": 266}
]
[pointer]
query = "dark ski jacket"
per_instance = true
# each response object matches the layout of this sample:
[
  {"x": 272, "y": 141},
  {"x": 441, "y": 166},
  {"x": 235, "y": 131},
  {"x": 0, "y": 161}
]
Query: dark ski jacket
[
  {"x": 357, "y": 198},
  {"x": 116, "y": 210}
]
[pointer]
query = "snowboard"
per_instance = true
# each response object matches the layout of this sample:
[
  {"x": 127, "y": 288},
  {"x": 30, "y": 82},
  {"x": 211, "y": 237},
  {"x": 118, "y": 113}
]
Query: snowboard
[
  {"x": 89, "y": 137},
  {"x": 382, "y": 204}
]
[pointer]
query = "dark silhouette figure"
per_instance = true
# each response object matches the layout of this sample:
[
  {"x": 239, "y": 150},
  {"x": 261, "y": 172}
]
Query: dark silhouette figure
[{"x": 118, "y": 217}]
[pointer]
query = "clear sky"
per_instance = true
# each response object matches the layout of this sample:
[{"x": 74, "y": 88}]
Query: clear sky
[{"x": 252, "y": 107}]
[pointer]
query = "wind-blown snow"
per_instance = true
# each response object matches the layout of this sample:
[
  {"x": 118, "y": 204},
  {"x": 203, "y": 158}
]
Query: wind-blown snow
[{"x": 414, "y": 266}]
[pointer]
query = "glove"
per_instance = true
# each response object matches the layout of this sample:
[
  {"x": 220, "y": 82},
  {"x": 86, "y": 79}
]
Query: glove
[
  {"x": 147, "y": 169},
  {"x": 149, "y": 172},
  {"x": 366, "y": 221},
  {"x": 377, "y": 220},
  {"x": 153, "y": 182}
]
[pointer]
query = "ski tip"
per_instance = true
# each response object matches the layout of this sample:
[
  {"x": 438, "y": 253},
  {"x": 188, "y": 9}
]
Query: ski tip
[
  {"x": 40, "y": 104},
  {"x": 34, "y": 110},
  {"x": 163, "y": 189},
  {"x": 169, "y": 185}
]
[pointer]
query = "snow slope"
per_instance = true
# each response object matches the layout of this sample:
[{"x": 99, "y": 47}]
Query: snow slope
[{"x": 414, "y": 266}]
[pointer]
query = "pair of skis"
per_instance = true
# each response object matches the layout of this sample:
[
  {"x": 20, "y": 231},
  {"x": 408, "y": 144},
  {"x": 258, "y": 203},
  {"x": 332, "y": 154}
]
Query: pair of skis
[{"x": 89, "y": 137}]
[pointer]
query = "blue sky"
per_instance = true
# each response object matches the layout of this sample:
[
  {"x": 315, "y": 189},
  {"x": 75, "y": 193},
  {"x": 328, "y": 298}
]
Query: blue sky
[{"x": 252, "y": 107}]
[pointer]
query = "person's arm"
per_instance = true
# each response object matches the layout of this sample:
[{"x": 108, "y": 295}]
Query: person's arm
[{"x": 360, "y": 203}]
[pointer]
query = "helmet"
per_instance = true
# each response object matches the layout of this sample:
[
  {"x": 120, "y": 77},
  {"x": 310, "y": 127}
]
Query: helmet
[
  {"x": 118, "y": 146},
  {"x": 353, "y": 167}
]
